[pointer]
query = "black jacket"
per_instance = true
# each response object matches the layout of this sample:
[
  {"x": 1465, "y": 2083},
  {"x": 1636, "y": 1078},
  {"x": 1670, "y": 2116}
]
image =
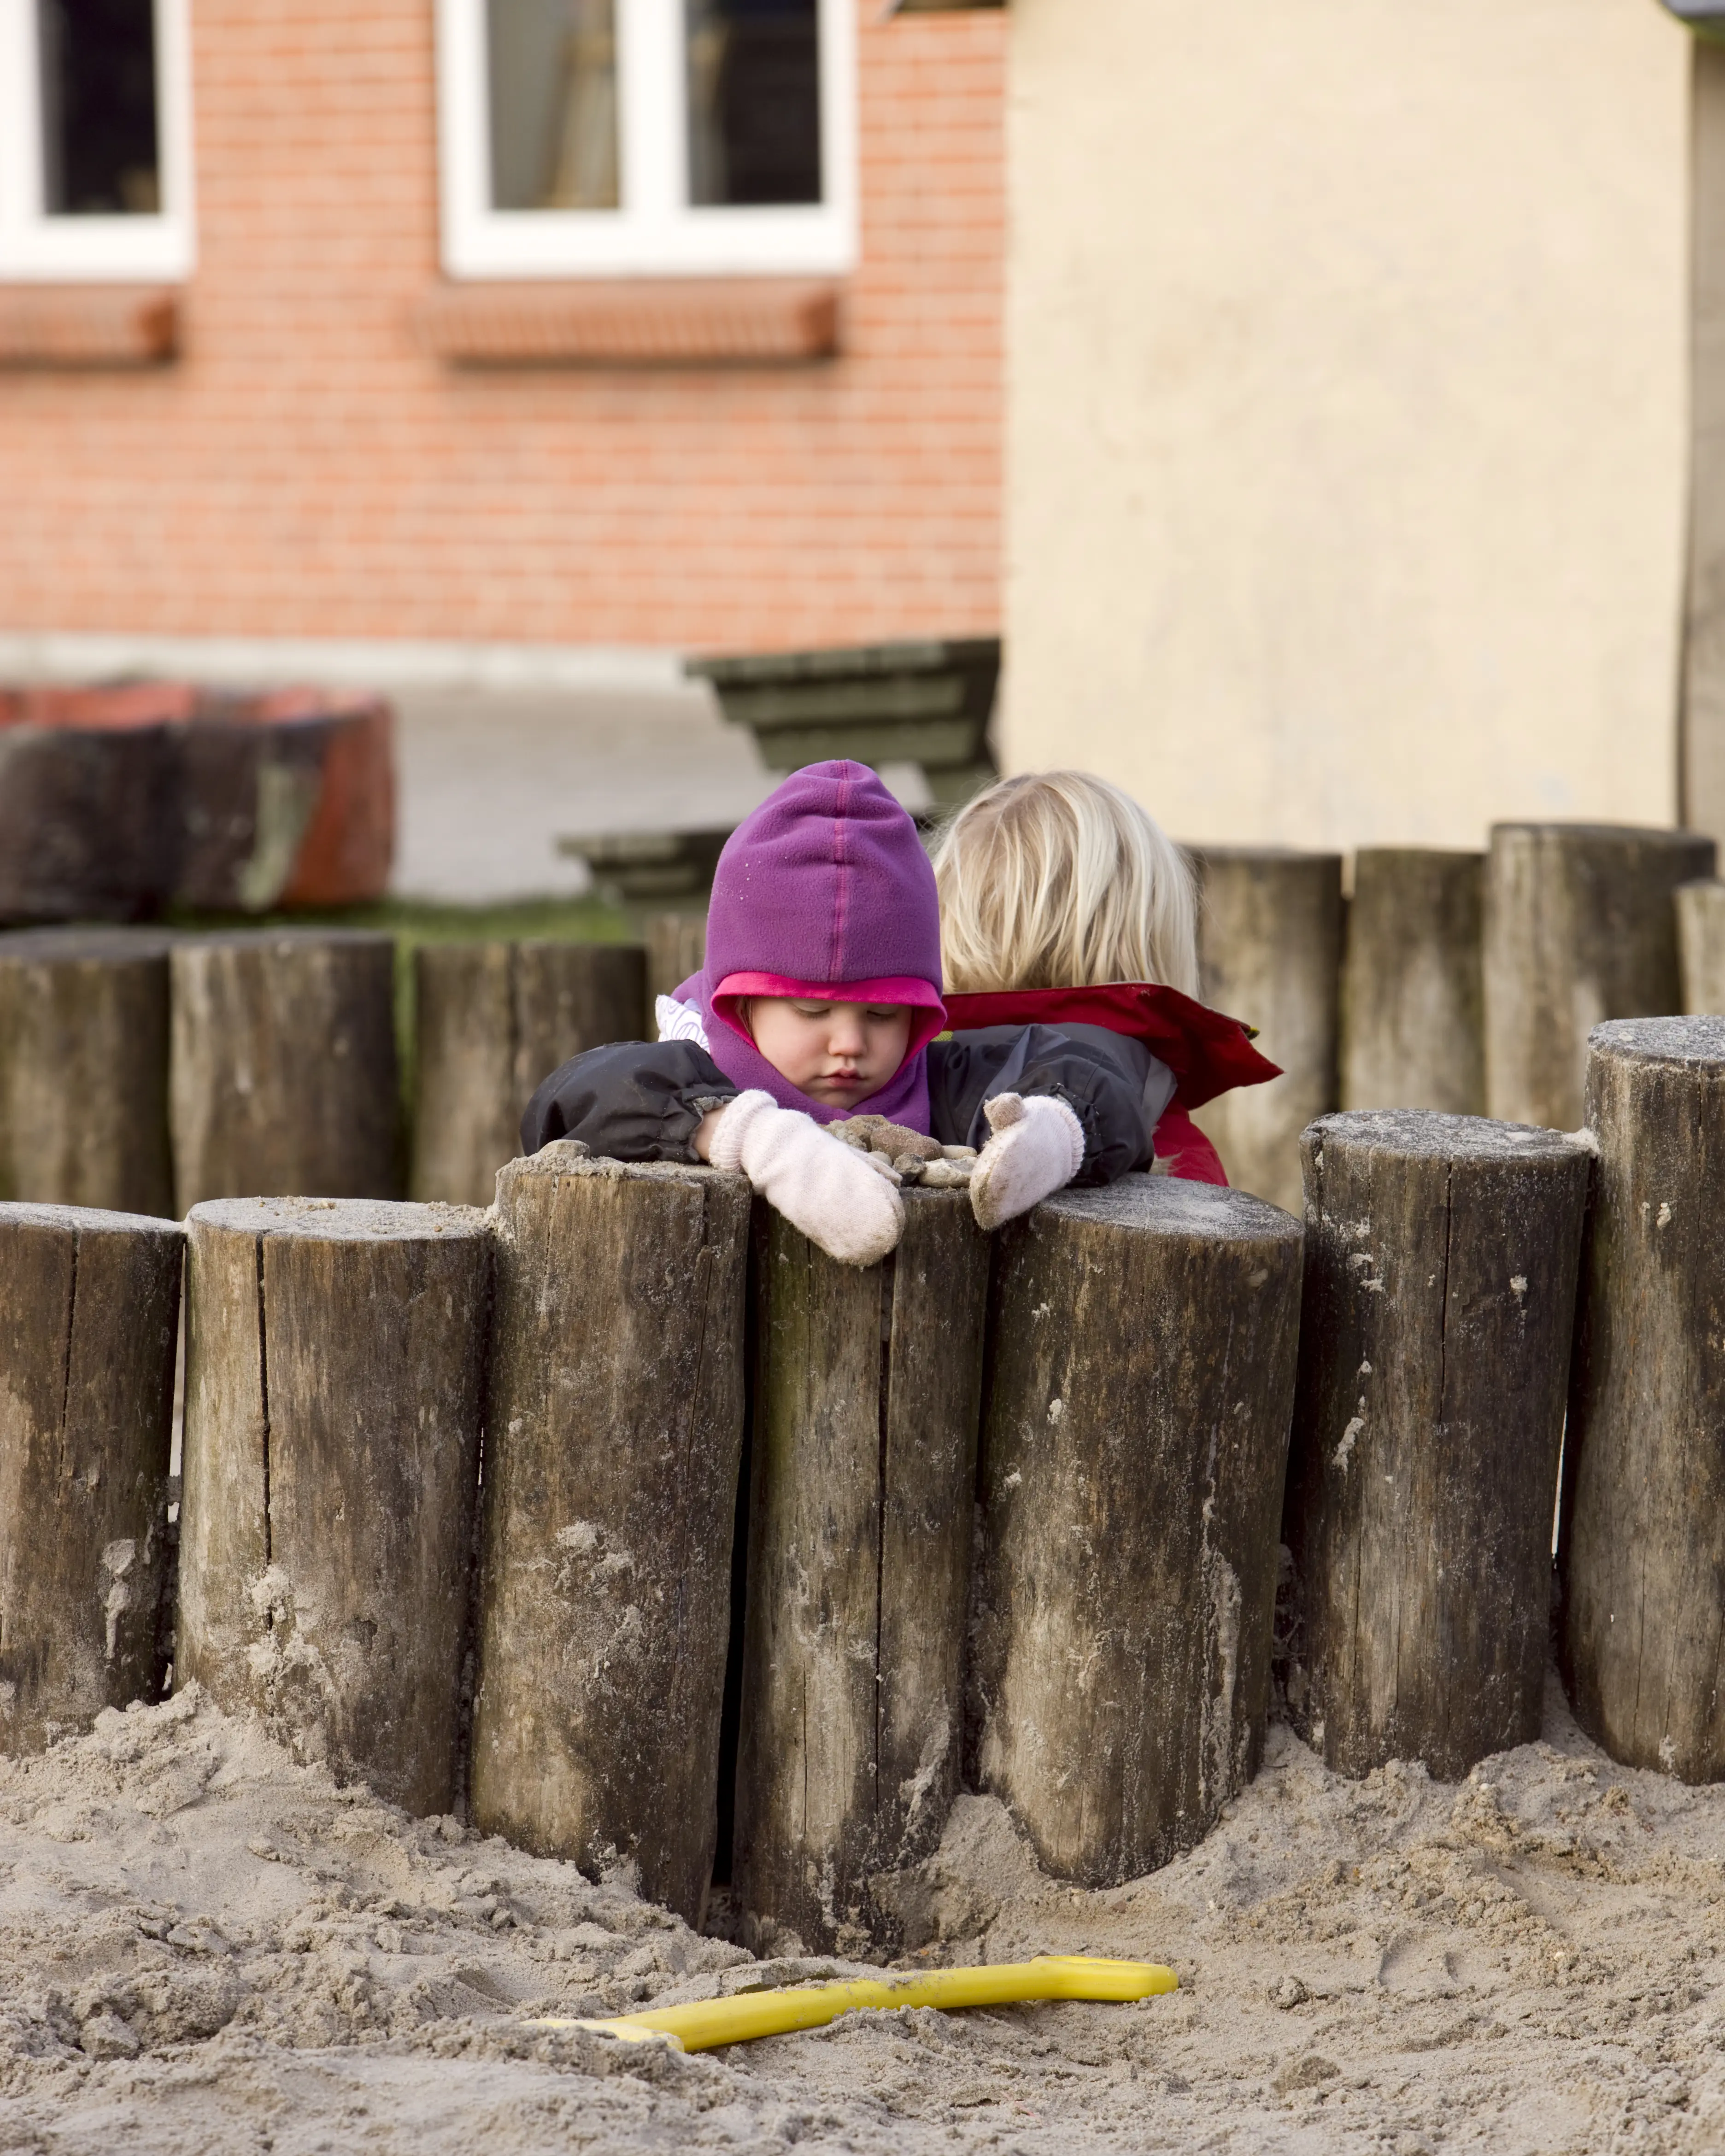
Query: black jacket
[{"x": 642, "y": 1099}]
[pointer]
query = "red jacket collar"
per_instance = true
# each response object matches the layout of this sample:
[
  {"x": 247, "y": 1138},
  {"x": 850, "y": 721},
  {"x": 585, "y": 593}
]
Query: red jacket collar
[{"x": 1208, "y": 1052}]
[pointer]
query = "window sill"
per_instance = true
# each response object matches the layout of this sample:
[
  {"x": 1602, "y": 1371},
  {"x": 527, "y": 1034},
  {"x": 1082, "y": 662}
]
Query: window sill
[
  {"x": 87, "y": 326},
  {"x": 649, "y": 322}
]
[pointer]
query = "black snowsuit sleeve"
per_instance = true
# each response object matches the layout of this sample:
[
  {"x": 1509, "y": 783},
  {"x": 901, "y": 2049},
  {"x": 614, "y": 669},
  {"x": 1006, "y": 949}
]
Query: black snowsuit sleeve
[
  {"x": 1115, "y": 1087},
  {"x": 636, "y": 1099}
]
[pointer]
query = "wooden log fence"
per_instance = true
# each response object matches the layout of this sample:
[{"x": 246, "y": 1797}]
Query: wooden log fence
[
  {"x": 335, "y": 1362},
  {"x": 282, "y": 1069},
  {"x": 676, "y": 947},
  {"x": 867, "y": 1388},
  {"x": 1412, "y": 992},
  {"x": 89, "y": 1313},
  {"x": 1643, "y": 1538},
  {"x": 84, "y": 1030},
  {"x": 1440, "y": 1267},
  {"x": 1269, "y": 951},
  {"x": 1113, "y": 1378},
  {"x": 492, "y": 1020},
  {"x": 1580, "y": 926},
  {"x": 1701, "y": 946}
]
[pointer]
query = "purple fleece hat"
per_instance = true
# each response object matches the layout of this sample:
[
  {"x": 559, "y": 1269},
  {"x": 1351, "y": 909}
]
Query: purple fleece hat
[{"x": 824, "y": 890}]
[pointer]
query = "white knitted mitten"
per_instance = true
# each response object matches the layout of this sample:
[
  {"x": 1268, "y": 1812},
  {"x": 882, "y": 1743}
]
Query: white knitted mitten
[
  {"x": 820, "y": 1185},
  {"x": 1037, "y": 1148}
]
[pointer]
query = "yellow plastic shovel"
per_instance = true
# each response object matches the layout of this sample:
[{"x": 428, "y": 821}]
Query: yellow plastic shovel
[{"x": 708, "y": 2022}]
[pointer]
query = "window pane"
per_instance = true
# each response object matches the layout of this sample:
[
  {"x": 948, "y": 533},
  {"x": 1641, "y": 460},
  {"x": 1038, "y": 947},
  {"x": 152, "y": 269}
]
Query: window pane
[
  {"x": 754, "y": 101},
  {"x": 98, "y": 154},
  {"x": 553, "y": 104}
]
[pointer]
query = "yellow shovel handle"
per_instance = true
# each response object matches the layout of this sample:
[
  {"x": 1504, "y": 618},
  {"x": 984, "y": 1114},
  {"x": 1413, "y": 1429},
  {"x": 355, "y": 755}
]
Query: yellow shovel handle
[{"x": 707, "y": 2022}]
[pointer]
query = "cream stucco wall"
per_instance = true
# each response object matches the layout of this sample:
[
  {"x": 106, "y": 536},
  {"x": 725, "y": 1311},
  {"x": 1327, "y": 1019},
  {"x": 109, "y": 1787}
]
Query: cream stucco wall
[{"x": 1345, "y": 436}]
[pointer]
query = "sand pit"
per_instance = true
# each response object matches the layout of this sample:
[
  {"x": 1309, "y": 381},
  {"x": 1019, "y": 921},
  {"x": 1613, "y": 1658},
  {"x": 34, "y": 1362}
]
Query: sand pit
[{"x": 208, "y": 1947}]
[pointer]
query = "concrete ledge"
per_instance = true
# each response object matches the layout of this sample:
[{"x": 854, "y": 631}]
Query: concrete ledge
[
  {"x": 47, "y": 655},
  {"x": 682, "y": 321},
  {"x": 87, "y": 326}
]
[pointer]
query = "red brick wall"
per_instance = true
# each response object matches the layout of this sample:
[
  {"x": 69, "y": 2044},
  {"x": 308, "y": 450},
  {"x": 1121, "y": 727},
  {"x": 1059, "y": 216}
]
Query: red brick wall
[{"x": 306, "y": 469}]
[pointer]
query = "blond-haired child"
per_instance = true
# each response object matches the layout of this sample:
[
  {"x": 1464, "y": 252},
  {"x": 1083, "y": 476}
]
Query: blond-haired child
[{"x": 1068, "y": 938}]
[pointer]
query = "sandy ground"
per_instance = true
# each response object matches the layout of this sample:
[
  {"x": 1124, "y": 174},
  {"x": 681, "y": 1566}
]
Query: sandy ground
[{"x": 206, "y": 1948}]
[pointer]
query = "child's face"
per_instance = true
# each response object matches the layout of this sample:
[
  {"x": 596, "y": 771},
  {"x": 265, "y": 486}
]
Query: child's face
[{"x": 838, "y": 1054}]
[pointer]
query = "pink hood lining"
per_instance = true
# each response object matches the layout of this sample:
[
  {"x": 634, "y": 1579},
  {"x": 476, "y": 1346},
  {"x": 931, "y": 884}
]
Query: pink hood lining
[{"x": 928, "y": 1013}]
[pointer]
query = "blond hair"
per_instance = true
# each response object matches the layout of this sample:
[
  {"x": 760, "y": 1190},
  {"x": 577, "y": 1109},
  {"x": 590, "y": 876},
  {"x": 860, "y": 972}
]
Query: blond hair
[{"x": 1057, "y": 880}]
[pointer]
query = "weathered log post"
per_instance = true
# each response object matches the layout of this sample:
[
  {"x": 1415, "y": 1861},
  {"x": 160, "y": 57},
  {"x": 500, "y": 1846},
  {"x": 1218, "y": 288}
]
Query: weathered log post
[
  {"x": 1580, "y": 926},
  {"x": 1135, "y": 1432},
  {"x": 867, "y": 1389},
  {"x": 1701, "y": 945},
  {"x": 615, "y": 1431},
  {"x": 88, "y": 1316},
  {"x": 1642, "y": 1545},
  {"x": 90, "y": 802},
  {"x": 493, "y": 1020},
  {"x": 1440, "y": 1265},
  {"x": 1269, "y": 951},
  {"x": 282, "y": 1075},
  {"x": 1412, "y": 995},
  {"x": 335, "y": 1361},
  {"x": 676, "y": 947},
  {"x": 83, "y": 1068}
]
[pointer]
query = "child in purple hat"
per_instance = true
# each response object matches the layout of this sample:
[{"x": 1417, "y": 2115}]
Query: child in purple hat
[{"x": 819, "y": 999}]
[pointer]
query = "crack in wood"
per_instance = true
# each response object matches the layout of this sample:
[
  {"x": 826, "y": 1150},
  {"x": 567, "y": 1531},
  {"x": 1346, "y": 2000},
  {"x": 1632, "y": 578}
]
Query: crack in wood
[
  {"x": 65, "y": 1466},
  {"x": 264, "y": 1408},
  {"x": 889, "y": 1272}
]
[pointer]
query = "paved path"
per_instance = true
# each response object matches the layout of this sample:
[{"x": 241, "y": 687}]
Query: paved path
[{"x": 488, "y": 781}]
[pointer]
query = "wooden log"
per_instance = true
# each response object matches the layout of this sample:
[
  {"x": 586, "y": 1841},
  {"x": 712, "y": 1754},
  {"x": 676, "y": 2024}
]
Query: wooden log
[
  {"x": 867, "y": 1389},
  {"x": 676, "y": 947},
  {"x": 1701, "y": 945},
  {"x": 1441, "y": 1266},
  {"x": 493, "y": 1020},
  {"x": 83, "y": 1068},
  {"x": 615, "y": 1429},
  {"x": 88, "y": 821},
  {"x": 289, "y": 800},
  {"x": 1269, "y": 951},
  {"x": 1412, "y": 995},
  {"x": 88, "y": 1317},
  {"x": 1135, "y": 1429},
  {"x": 335, "y": 1361},
  {"x": 1579, "y": 927},
  {"x": 1642, "y": 1545},
  {"x": 282, "y": 1073}
]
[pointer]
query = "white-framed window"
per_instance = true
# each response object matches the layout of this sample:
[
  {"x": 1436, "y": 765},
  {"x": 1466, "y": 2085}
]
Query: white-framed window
[
  {"x": 95, "y": 139},
  {"x": 647, "y": 137}
]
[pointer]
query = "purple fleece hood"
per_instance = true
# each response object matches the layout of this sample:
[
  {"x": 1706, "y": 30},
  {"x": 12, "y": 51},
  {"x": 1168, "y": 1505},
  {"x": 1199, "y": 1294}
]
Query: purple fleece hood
[{"x": 824, "y": 891}]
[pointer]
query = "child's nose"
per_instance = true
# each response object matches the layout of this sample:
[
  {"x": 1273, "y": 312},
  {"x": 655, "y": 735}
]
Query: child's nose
[{"x": 846, "y": 1037}]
